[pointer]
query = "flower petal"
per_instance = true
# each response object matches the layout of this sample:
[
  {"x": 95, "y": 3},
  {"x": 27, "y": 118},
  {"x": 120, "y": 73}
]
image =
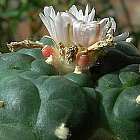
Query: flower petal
[
  {"x": 87, "y": 10},
  {"x": 52, "y": 12},
  {"x": 78, "y": 27},
  {"x": 113, "y": 24},
  {"x": 59, "y": 27},
  {"x": 76, "y": 32},
  {"x": 52, "y": 22},
  {"x": 46, "y": 22},
  {"x": 85, "y": 18},
  {"x": 104, "y": 26},
  {"x": 80, "y": 16},
  {"x": 47, "y": 11},
  {"x": 62, "y": 23},
  {"x": 49, "y": 14},
  {"x": 67, "y": 23},
  {"x": 73, "y": 10},
  {"x": 91, "y": 15},
  {"x": 93, "y": 31},
  {"x": 84, "y": 34}
]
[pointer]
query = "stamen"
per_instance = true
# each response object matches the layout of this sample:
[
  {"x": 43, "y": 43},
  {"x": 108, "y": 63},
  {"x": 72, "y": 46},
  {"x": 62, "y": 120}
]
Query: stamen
[
  {"x": 69, "y": 34},
  {"x": 71, "y": 54}
]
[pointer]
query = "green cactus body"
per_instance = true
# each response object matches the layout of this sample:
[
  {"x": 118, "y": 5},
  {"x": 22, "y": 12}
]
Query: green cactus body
[
  {"x": 119, "y": 103},
  {"x": 38, "y": 104}
]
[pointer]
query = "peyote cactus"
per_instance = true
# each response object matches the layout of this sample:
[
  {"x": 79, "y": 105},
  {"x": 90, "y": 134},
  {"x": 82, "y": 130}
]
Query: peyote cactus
[
  {"x": 36, "y": 103},
  {"x": 119, "y": 107},
  {"x": 69, "y": 86}
]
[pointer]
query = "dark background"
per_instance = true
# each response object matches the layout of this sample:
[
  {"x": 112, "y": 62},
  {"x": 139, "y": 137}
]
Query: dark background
[{"x": 19, "y": 19}]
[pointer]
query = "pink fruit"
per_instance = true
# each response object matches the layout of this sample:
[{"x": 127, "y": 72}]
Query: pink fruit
[{"x": 47, "y": 51}]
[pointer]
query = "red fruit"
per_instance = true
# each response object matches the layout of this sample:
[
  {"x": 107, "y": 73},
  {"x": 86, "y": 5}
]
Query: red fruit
[
  {"x": 83, "y": 60},
  {"x": 47, "y": 51}
]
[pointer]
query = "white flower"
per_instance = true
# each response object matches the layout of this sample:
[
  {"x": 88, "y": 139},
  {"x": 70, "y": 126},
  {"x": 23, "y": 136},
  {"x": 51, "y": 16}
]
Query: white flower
[
  {"x": 57, "y": 24},
  {"x": 88, "y": 33},
  {"x": 88, "y": 17},
  {"x": 77, "y": 33},
  {"x": 77, "y": 27}
]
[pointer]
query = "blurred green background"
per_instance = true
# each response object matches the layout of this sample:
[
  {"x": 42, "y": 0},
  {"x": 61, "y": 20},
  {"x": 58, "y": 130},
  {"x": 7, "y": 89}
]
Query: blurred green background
[{"x": 19, "y": 19}]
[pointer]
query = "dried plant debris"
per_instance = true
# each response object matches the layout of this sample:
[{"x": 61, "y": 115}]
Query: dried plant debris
[{"x": 14, "y": 46}]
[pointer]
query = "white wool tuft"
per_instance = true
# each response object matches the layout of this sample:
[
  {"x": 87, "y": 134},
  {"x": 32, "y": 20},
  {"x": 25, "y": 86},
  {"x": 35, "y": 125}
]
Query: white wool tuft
[
  {"x": 62, "y": 132},
  {"x": 138, "y": 99},
  {"x": 130, "y": 39},
  {"x": 49, "y": 60}
]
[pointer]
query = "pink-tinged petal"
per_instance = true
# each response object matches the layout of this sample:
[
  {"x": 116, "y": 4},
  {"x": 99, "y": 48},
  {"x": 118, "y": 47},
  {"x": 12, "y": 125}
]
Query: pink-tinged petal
[
  {"x": 93, "y": 31},
  {"x": 76, "y": 32},
  {"x": 86, "y": 38},
  {"x": 85, "y": 34}
]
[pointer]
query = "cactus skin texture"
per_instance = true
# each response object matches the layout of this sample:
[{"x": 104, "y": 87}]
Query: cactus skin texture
[
  {"x": 36, "y": 103},
  {"x": 115, "y": 58},
  {"x": 119, "y": 103}
]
